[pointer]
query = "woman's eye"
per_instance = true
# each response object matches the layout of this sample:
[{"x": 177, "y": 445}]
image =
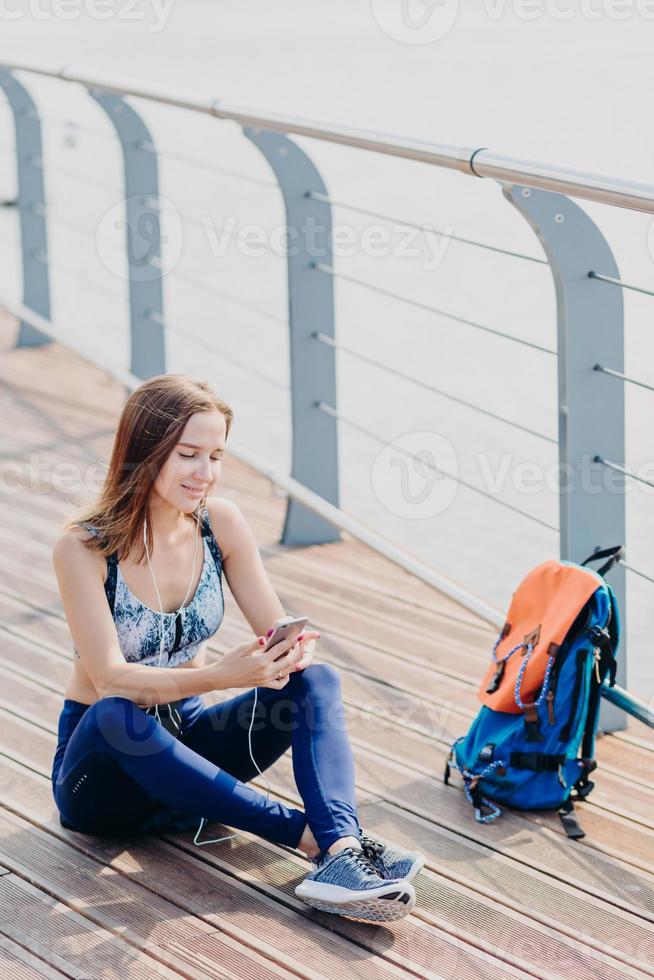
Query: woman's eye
[{"x": 214, "y": 459}]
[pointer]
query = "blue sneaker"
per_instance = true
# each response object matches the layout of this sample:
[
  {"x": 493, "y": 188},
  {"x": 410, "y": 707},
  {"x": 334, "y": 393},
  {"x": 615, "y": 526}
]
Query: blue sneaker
[
  {"x": 348, "y": 883},
  {"x": 392, "y": 862}
]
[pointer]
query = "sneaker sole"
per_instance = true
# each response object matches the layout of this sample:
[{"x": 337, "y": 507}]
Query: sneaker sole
[
  {"x": 417, "y": 866},
  {"x": 384, "y": 904}
]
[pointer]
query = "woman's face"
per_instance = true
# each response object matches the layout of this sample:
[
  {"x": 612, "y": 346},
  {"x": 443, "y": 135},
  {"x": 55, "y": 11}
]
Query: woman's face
[{"x": 193, "y": 466}]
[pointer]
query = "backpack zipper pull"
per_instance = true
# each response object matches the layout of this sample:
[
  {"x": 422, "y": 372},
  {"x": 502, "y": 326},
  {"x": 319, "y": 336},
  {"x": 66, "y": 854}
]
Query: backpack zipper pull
[
  {"x": 597, "y": 656},
  {"x": 550, "y": 706}
]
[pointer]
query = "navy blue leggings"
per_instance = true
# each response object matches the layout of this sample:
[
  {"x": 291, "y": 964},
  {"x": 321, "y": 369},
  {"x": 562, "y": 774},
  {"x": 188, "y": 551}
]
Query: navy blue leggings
[{"x": 116, "y": 766}]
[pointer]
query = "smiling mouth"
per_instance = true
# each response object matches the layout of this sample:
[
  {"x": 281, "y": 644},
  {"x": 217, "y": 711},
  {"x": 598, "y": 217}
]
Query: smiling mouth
[{"x": 192, "y": 489}]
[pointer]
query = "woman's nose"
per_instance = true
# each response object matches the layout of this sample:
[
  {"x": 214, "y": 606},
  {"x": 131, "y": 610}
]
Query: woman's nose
[{"x": 203, "y": 471}]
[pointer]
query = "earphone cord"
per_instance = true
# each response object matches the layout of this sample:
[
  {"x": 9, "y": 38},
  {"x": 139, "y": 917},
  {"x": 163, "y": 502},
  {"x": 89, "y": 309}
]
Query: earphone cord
[{"x": 216, "y": 840}]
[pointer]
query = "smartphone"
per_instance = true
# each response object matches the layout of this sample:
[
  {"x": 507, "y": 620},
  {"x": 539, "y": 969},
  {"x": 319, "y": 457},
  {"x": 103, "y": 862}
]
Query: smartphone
[{"x": 289, "y": 628}]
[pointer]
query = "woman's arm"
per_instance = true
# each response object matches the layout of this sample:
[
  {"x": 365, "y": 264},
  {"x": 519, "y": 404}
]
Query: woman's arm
[{"x": 245, "y": 573}]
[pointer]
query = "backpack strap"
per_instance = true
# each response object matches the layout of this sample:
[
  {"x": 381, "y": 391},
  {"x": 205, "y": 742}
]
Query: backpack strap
[
  {"x": 569, "y": 820},
  {"x": 471, "y": 786},
  {"x": 537, "y": 761},
  {"x": 614, "y": 554}
]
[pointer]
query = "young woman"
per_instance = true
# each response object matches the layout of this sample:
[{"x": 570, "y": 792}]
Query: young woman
[{"x": 140, "y": 576}]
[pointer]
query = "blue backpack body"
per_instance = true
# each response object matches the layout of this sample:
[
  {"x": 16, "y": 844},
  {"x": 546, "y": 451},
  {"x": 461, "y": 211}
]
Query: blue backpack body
[{"x": 540, "y": 758}]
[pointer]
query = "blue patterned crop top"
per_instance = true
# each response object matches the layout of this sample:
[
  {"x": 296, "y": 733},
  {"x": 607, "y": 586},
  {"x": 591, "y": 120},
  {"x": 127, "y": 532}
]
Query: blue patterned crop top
[{"x": 139, "y": 627}]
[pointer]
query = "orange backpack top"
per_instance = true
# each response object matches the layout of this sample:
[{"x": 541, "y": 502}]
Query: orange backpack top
[{"x": 543, "y": 606}]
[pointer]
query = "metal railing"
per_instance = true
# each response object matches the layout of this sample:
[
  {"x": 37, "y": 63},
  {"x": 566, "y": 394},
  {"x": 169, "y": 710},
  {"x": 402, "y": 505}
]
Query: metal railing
[{"x": 590, "y": 320}]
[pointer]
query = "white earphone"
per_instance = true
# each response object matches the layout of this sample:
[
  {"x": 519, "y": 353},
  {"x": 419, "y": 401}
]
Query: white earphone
[{"x": 178, "y": 723}]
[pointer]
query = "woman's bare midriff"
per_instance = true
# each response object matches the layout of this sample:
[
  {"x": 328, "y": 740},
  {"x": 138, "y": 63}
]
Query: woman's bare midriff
[{"x": 79, "y": 686}]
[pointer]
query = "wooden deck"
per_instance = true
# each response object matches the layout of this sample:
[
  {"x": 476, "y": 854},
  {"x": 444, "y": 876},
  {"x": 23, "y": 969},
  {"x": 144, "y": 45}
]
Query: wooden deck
[{"x": 513, "y": 899}]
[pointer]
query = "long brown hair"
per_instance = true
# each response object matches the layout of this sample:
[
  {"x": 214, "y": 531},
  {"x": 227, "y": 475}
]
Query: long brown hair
[{"x": 150, "y": 425}]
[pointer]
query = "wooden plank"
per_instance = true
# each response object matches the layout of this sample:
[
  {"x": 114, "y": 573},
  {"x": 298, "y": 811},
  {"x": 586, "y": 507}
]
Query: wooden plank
[
  {"x": 22, "y": 964},
  {"x": 68, "y": 941}
]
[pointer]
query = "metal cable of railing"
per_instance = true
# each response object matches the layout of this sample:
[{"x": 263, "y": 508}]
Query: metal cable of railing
[
  {"x": 64, "y": 220},
  {"x": 215, "y": 291},
  {"x": 625, "y": 471},
  {"x": 77, "y": 176},
  {"x": 636, "y": 571},
  {"x": 78, "y": 127},
  {"x": 622, "y": 469},
  {"x": 619, "y": 282},
  {"x": 622, "y": 377},
  {"x": 81, "y": 278},
  {"x": 397, "y": 373},
  {"x": 154, "y": 261},
  {"x": 330, "y": 410},
  {"x": 325, "y": 199},
  {"x": 329, "y": 270},
  {"x": 199, "y": 164},
  {"x": 173, "y": 327}
]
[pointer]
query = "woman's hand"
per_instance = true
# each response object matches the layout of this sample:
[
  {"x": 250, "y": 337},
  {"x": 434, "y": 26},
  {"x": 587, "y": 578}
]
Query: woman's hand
[
  {"x": 249, "y": 665},
  {"x": 307, "y": 643}
]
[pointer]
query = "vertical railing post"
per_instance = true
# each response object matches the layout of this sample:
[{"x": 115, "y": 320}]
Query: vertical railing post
[
  {"x": 590, "y": 320},
  {"x": 142, "y": 236},
  {"x": 310, "y": 311},
  {"x": 31, "y": 208}
]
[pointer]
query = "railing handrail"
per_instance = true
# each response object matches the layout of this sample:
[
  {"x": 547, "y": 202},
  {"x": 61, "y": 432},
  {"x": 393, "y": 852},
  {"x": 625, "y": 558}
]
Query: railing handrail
[{"x": 479, "y": 162}]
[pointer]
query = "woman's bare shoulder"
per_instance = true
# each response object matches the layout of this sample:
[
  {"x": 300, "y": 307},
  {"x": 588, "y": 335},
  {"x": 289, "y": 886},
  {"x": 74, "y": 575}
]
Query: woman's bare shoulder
[
  {"x": 225, "y": 517},
  {"x": 70, "y": 548}
]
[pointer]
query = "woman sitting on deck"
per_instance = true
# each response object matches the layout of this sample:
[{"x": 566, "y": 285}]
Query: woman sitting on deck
[{"x": 137, "y": 748}]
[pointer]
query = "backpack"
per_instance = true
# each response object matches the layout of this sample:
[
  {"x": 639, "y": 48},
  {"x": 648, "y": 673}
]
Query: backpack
[{"x": 531, "y": 745}]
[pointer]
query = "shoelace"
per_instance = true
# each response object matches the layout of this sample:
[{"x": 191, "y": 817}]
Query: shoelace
[
  {"x": 373, "y": 849},
  {"x": 363, "y": 860},
  {"x": 370, "y": 846}
]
